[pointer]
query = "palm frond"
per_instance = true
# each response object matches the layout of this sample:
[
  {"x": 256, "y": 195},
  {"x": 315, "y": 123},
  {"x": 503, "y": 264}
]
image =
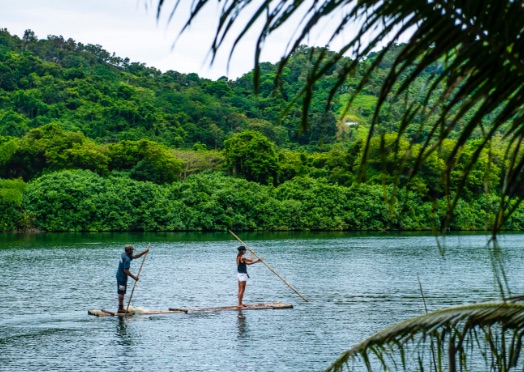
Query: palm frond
[
  {"x": 486, "y": 336},
  {"x": 477, "y": 46}
]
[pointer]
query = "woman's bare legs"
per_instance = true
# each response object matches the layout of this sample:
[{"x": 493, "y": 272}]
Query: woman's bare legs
[{"x": 241, "y": 290}]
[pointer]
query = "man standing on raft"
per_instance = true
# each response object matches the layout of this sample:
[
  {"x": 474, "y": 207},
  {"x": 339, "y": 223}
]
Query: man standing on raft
[
  {"x": 123, "y": 272},
  {"x": 242, "y": 275}
]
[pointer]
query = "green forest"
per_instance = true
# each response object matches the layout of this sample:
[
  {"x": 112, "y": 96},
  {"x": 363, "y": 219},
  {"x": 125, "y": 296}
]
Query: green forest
[{"x": 90, "y": 141}]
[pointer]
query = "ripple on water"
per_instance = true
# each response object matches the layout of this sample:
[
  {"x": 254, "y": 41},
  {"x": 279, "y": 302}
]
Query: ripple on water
[{"x": 356, "y": 285}]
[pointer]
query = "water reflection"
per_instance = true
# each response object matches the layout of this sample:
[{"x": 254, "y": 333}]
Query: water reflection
[
  {"x": 241, "y": 325},
  {"x": 123, "y": 332}
]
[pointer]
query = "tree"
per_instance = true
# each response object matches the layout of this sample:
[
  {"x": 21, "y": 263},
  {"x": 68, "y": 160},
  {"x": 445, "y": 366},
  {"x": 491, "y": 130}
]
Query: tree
[
  {"x": 253, "y": 156},
  {"x": 145, "y": 160},
  {"x": 11, "y": 194}
]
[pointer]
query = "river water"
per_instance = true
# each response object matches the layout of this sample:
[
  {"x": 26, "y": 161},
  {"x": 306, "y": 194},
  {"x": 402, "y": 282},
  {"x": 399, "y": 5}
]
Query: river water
[{"x": 356, "y": 285}]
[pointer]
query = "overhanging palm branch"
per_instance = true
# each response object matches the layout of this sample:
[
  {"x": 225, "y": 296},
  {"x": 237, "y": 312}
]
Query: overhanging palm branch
[
  {"x": 484, "y": 336},
  {"x": 477, "y": 86},
  {"x": 475, "y": 44}
]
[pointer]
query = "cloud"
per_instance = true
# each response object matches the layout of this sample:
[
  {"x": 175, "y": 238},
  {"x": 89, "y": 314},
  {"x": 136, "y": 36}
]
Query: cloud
[{"x": 129, "y": 28}]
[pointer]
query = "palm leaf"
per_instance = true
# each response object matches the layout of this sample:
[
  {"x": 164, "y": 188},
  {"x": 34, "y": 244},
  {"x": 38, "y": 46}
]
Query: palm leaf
[
  {"x": 478, "y": 48},
  {"x": 461, "y": 336}
]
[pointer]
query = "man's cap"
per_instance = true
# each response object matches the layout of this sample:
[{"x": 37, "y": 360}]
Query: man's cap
[
  {"x": 129, "y": 247},
  {"x": 242, "y": 248}
]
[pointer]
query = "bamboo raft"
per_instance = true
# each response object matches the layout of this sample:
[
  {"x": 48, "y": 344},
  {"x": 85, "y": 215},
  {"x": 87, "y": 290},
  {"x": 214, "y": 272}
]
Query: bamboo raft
[
  {"x": 104, "y": 312},
  {"x": 268, "y": 306},
  {"x": 133, "y": 311}
]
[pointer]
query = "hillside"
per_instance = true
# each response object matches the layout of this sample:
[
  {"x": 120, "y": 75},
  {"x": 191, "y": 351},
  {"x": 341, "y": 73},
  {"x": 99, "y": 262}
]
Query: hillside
[
  {"x": 71, "y": 112},
  {"x": 84, "y": 88}
]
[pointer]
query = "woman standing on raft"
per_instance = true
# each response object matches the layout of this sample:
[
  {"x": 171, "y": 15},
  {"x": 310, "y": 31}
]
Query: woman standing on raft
[{"x": 242, "y": 275}]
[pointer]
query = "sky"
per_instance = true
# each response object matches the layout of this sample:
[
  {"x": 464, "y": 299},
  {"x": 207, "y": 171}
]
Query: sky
[{"x": 129, "y": 28}]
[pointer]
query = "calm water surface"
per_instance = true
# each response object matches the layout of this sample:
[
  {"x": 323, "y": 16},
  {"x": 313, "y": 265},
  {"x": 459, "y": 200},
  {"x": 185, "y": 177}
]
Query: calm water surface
[{"x": 356, "y": 284}]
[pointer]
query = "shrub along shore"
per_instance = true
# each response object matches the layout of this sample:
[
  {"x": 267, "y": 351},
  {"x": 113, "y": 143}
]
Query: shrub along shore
[{"x": 80, "y": 200}]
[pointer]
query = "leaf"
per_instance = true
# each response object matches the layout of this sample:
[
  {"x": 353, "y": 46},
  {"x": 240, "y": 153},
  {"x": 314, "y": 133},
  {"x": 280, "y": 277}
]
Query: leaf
[{"x": 475, "y": 326}]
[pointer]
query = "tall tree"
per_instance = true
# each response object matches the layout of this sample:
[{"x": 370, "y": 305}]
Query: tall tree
[{"x": 251, "y": 155}]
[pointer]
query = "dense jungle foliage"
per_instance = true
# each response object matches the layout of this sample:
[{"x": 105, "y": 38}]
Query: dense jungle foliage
[{"x": 93, "y": 142}]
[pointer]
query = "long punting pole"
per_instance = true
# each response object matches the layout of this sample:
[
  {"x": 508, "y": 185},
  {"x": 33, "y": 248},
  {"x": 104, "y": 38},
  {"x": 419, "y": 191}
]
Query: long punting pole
[
  {"x": 269, "y": 267},
  {"x": 138, "y": 276}
]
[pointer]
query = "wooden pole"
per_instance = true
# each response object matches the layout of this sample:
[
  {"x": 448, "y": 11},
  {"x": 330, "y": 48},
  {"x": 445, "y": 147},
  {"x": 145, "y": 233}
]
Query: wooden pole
[
  {"x": 138, "y": 277},
  {"x": 269, "y": 267}
]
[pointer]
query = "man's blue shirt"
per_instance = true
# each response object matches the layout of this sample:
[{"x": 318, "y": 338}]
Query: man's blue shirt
[{"x": 125, "y": 263}]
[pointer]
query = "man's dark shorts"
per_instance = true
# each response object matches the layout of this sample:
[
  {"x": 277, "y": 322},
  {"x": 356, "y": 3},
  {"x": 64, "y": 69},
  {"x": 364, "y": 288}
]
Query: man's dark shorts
[{"x": 121, "y": 287}]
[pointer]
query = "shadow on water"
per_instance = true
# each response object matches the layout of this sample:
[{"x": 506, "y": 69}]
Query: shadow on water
[{"x": 81, "y": 239}]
